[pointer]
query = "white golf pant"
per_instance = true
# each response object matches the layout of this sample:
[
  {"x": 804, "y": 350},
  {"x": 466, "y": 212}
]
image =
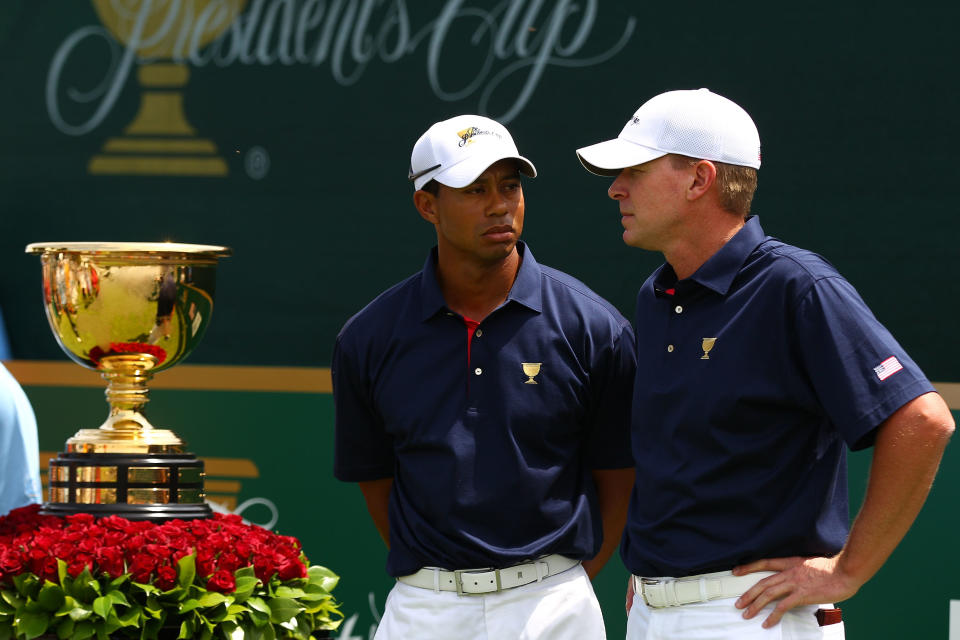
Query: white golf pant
[
  {"x": 561, "y": 607},
  {"x": 720, "y": 620}
]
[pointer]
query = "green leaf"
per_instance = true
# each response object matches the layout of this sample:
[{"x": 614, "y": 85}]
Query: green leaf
[
  {"x": 260, "y": 633},
  {"x": 149, "y": 589},
  {"x": 65, "y": 629},
  {"x": 26, "y": 584},
  {"x": 258, "y": 618},
  {"x": 188, "y": 605},
  {"x": 32, "y": 625},
  {"x": 186, "y": 570},
  {"x": 187, "y": 628},
  {"x": 12, "y": 598},
  {"x": 246, "y": 585},
  {"x": 116, "y": 582},
  {"x": 51, "y": 596},
  {"x": 289, "y": 592},
  {"x": 282, "y": 609},
  {"x": 212, "y": 599},
  {"x": 83, "y": 630},
  {"x": 103, "y": 607},
  {"x": 257, "y": 604},
  {"x": 131, "y": 617},
  {"x": 117, "y": 597},
  {"x": 323, "y": 577},
  {"x": 80, "y": 612},
  {"x": 6, "y": 631},
  {"x": 84, "y": 588}
]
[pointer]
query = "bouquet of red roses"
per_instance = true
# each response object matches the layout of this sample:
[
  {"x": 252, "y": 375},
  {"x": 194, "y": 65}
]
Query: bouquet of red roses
[{"x": 81, "y": 576}]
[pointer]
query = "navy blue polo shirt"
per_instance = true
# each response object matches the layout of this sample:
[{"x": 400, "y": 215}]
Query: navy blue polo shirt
[
  {"x": 491, "y": 460},
  {"x": 754, "y": 375}
]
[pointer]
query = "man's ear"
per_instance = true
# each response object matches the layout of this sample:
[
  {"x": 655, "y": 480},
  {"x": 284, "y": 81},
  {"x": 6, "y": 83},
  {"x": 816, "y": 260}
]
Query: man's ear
[
  {"x": 426, "y": 204},
  {"x": 704, "y": 176}
]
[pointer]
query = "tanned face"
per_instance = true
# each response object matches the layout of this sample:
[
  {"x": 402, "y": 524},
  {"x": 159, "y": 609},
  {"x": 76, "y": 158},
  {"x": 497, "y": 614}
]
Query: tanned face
[{"x": 482, "y": 221}]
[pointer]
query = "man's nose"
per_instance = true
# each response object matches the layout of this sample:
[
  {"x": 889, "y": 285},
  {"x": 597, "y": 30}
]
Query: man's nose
[{"x": 617, "y": 190}]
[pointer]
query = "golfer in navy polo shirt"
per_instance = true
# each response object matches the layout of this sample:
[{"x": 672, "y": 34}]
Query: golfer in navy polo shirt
[
  {"x": 483, "y": 406},
  {"x": 759, "y": 366}
]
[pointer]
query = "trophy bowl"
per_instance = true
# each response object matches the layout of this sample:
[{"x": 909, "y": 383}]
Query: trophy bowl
[{"x": 127, "y": 310}]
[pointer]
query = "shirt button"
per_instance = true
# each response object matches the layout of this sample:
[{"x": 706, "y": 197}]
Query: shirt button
[
  {"x": 479, "y": 333},
  {"x": 669, "y": 348},
  {"x": 478, "y": 371},
  {"x": 678, "y": 309}
]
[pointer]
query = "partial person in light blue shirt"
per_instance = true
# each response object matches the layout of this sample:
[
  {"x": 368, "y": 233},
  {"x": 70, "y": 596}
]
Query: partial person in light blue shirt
[
  {"x": 19, "y": 450},
  {"x": 4, "y": 342}
]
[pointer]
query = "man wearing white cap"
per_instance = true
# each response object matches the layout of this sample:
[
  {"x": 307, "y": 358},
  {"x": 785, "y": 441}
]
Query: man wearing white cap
[
  {"x": 758, "y": 366},
  {"x": 483, "y": 406}
]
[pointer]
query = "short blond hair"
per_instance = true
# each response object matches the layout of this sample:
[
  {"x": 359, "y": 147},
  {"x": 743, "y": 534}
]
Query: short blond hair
[{"x": 736, "y": 184}]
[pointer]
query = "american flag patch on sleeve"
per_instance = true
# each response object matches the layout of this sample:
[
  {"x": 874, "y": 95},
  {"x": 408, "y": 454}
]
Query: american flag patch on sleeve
[{"x": 887, "y": 368}]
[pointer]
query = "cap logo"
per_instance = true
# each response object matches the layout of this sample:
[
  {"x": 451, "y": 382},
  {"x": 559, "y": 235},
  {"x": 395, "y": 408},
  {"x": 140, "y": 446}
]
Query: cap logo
[{"x": 466, "y": 136}]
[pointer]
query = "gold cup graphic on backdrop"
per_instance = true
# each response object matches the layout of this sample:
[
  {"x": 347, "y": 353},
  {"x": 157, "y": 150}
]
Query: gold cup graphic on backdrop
[
  {"x": 160, "y": 141},
  {"x": 127, "y": 310}
]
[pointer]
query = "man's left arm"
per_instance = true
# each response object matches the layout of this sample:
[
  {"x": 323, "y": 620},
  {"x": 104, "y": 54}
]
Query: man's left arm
[
  {"x": 907, "y": 452},
  {"x": 613, "y": 496}
]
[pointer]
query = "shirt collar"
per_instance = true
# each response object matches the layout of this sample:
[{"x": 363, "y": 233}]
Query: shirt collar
[
  {"x": 718, "y": 272},
  {"x": 525, "y": 289}
]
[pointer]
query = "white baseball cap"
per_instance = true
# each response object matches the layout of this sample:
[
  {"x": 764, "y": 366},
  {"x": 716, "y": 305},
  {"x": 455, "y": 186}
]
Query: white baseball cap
[
  {"x": 694, "y": 123},
  {"x": 455, "y": 152}
]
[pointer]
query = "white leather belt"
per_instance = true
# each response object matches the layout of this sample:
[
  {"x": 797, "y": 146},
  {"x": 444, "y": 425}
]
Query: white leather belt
[
  {"x": 676, "y": 592},
  {"x": 481, "y": 581}
]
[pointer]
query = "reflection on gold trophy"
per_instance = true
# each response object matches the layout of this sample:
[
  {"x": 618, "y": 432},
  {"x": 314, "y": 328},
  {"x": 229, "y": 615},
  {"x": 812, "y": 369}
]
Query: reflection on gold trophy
[
  {"x": 707, "y": 345},
  {"x": 127, "y": 310},
  {"x": 531, "y": 369},
  {"x": 160, "y": 141}
]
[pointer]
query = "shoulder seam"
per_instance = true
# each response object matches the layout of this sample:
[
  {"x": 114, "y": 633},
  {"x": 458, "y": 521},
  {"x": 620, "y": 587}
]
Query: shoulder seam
[{"x": 586, "y": 292}]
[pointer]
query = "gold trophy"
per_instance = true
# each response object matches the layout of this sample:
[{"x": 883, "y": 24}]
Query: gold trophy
[
  {"x": 160, "y": 141},
  {"x": 127, "y": 310}
]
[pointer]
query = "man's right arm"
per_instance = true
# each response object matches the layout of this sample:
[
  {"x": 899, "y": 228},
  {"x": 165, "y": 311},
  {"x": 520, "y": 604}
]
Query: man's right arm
[{"x": 377, "y": 495}]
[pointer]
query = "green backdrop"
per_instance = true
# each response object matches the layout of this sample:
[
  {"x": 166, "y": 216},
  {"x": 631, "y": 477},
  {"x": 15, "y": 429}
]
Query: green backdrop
[{"x": 308, "y": 110}]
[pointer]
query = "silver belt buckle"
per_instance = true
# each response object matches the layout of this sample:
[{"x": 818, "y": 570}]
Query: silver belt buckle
[
  {"x": 458, "y": 581},
  {"x": 643, "y": 588}
]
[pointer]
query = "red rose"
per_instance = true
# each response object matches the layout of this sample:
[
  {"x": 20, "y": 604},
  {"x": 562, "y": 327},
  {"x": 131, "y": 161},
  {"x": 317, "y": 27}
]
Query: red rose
[
  {"x": 264, "y": 568},
  {"x": 45, "y": 568},
  {"x": 11, "y": 562},
  {"x": 205, "y": 559},
  {"x": 142, "y": 566},
  {"x": 288, "y": 570},
  {"x": 79, "y": 518},
  {"x": 80, "y": 562},
  {"x": 166, "y": 577},
  {"x": 110, "y": 561},
  {"x": 222, "y": 581},
  {"x": 157, "y": 550},
  {"x": 89, "y": 545}
]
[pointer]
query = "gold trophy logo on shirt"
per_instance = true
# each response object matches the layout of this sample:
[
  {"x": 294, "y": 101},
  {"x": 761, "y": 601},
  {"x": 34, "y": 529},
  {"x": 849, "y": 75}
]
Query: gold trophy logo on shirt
[
  {"x": 707, "y": 345},
  {"x": 531, "y": 369}
]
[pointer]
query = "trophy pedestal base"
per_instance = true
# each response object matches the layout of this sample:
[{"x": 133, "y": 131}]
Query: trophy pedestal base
[
  {"x": 131, "y": 511},
  {"x": 149, "y": 486}
]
